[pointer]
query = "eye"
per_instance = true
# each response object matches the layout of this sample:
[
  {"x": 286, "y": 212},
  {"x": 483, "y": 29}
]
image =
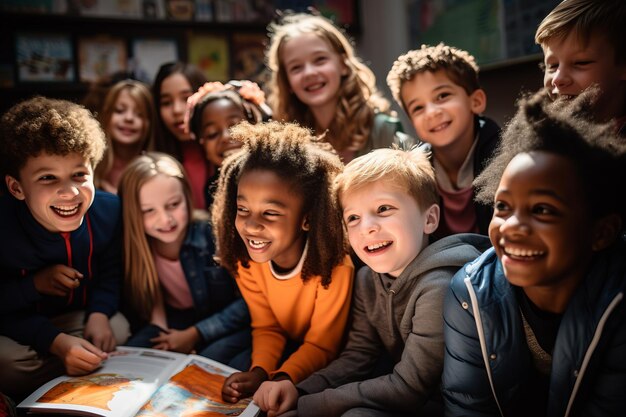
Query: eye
[
  {"x": 242, "y": 211},
  {"x": 544, "y": 210},
  {"x": 147, "y": 211},
  {"x": 384, "y": 209},
  {"x": 583, "y": 63},
  {"x": 351, "y": 219},
  {"x": 165, "y": 103},
  {"x": 415, "y": 110},
  {"x": 211, "y": 135},
  {"x": 321, "y": 59},
  {"x": 48, "y": 177},
  {"x": 174, "y": 204},
  {"x": 271, "y": 213},
  {"x": 500, "y": 206},
  {"x": 442, "y": 96},
  {"x": 81, "y": 175}
]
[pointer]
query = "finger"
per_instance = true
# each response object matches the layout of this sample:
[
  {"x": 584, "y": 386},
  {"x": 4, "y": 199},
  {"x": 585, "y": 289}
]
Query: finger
[
  {"x": 230, "y": 399},
  {"x": 89, "y": 347}
]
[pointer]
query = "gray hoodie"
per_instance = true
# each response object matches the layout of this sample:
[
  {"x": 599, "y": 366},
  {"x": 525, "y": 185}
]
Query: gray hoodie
[{"x": 402, "y": 316}]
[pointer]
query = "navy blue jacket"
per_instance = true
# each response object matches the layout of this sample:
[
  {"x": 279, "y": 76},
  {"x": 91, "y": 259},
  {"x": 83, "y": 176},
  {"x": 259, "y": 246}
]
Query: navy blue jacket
[
  {"x": 487, "y": 360},
  {"x": 219, "y": 308},
  {"x": 94, "y": 249}
]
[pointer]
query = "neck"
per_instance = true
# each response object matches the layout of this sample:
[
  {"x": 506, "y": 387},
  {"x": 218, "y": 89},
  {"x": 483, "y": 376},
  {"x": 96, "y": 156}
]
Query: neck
[
  {"x": 323, "y": 116},
  {"x": 171, "y": 250},
  {"x": 451, "y": 157},
  {"x": 126, "y": 153},
  {"x": 553, "y": 298}
]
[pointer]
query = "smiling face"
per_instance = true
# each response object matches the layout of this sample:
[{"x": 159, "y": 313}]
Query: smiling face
[
  {"x": 164, "y": 210},
  {"x": 386, "y": 227},
  {"x": 217, "y": 118},
  {"x": 541, "y": 228},
  {"x": 572, "y": 66},
  {"x": 58, "y": 190},
  {"x": 440, "y": 110},
  {"x": 175, "y": 90},
  {"x": 314, "y": 70},
  {"x": 270, "y": 219},
  {"x": 128, "y": 123}
]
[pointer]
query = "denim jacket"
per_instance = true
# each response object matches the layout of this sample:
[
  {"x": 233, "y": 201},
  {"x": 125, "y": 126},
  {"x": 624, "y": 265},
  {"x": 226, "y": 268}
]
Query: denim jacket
[{"x": 218, "y": 305}]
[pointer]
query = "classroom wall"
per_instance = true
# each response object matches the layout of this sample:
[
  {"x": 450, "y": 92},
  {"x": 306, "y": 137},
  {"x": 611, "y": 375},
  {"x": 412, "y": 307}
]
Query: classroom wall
[{"x": 385, "y": 36}]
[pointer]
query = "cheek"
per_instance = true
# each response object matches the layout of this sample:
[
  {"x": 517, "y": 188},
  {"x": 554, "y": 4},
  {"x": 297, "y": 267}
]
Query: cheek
[{"x": 494, "y": 231}]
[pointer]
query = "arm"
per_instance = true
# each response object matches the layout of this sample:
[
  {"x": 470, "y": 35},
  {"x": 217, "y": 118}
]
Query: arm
[
  {"x": 413, "y": 379},
  {"x": 233, "y": 317},
  {"x": 327, "y": 325}
]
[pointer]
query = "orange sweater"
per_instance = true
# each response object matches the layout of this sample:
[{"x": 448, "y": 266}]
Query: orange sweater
[{"x": 302, "y": 312}]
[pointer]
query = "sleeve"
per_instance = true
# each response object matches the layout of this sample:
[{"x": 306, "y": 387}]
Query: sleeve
[
  {"x": 30, "y": 330},
  {"x": 105, "y": 294},
  {"x": 233, "y": 317},
  {"x": 413, "y": 379},
  {"x": 323, "y": 339},
  {"x": 465, "y": 386},
  {"x": 268, "y": 338},
  {"x": 17, "y": 293},
  {"x": 362, "y": 349}
]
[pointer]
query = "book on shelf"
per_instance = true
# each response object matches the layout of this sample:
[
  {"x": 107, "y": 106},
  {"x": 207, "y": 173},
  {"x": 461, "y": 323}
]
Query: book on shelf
[{"x": 142, "y": 382}]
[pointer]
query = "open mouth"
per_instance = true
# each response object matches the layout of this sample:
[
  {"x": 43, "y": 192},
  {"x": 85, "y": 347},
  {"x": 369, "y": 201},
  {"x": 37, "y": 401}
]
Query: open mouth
[
  {"x": 66, "y": 211},
  {"x": 377, "y": 247},
  {"x": 258, "y": 244},
  {"x": 440, "y": 127},
  {"x": 522, "y": 254},
  {"x": 314, "y": 87},
  {"x": 168, "y": 230}
]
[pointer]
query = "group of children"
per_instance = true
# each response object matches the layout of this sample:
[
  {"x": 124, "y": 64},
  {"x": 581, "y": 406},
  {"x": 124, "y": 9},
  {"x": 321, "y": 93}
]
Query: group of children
[{"x": 494, "y": 271}]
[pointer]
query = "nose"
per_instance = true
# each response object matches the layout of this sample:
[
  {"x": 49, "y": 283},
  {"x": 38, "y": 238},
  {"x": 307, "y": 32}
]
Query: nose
[
  {"x": 560, "y": 78},
  {"x": 252, "y": 224},
  {"x": 68, "y": 190},
  {"x": 308, "y": 69},
  {"x": 179, "y": 106},
  {"x": 515, "y": 225},
  {"x": 129, "y": 115},
  {"x": 369, "y": 225},
  {"x": 432, "y": 110}
]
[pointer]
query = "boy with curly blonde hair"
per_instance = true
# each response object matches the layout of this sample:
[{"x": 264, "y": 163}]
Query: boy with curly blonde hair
[
  {"x": 438, "y": 88},
  {"x": 60, "y": 260}
]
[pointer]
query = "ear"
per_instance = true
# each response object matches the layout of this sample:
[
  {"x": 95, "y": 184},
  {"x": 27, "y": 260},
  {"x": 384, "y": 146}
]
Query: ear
[
  {"x": 606, "y": 231},
  {"x": 478, "y": 101},
  {"x": 14, "y": 187},
  {"x": 305, "y": 224},
  {"x": 431, "y": 219}
]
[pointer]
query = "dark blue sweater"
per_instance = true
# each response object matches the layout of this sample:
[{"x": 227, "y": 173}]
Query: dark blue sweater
[{"x": 94, "y": 249}]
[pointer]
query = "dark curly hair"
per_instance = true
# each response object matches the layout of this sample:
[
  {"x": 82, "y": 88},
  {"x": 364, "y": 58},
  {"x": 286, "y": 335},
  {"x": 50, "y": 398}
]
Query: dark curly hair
[
  {"x": 293, "y": 154},
  {"x": 560, "y": 127},
  {"x": 458, "y": 65},
  {"x": 56, "y": 127}
]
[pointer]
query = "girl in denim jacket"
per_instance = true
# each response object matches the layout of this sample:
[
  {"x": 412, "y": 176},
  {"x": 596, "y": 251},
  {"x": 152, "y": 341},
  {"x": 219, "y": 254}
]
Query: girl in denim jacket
[{"x": 180, "y": 298}]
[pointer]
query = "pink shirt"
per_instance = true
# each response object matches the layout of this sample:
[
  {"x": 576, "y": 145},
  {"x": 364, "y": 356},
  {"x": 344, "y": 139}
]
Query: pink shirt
[
  {"x": 196, "y": 169},
  {"x": 176, "y": 292}
]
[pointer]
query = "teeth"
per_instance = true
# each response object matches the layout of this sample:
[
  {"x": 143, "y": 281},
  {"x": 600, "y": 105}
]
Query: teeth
[
  {"x": 523, "y": 252},
  {"x": 66, "y": 210},
  {"x": 378, "y": 245},
  {"x": 314, "y": 87},
  {"x": 258, "y": 244},
  {"x": 440, "y": 127}
]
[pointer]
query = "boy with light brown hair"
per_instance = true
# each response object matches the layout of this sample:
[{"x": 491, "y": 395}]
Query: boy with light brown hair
[
  {"x": 438, "y": 88},
  {"x": 584, "y": 44}
]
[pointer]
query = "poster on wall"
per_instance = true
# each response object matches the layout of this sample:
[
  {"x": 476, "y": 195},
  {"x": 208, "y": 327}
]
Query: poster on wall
[
  {"x": 44, "y": 57},
  {"x": 248, "y": 56},
  {"x": 100, "y": 56},
  {"x": 210, "y": 54},
  {"x": 149, "y": 55}
]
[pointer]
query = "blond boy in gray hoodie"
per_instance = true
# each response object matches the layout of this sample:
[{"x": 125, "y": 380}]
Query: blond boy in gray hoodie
[{"x": 390, "y": 208}]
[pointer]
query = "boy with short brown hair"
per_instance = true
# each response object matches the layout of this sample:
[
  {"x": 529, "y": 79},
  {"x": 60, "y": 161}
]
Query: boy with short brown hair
[
  {"x": 584, "y": 44},
  {"x": 438, "y": 88}
]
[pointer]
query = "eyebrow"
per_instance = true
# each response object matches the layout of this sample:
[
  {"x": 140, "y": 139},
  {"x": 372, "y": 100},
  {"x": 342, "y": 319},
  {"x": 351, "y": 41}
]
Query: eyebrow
[
  {"x": 270, "y": 202},
  {"x": 538, "y": 192}
]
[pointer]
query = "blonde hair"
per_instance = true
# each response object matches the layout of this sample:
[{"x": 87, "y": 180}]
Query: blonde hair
[
  {"x": 407, "y": 170},
  {"x": 585, "y": 17},
  {"x": 359, "y": 98},
  {"x": 142, "y": 96},
  {"x": 141, "y": 284},
  {"x": 458, "y": 65}
]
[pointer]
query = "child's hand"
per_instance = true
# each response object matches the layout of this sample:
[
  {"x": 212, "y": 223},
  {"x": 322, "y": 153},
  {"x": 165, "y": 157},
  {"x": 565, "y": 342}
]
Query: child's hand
[
  {"x": 57, "y": 280},
  {"x": 177, "y": 340},
  {"x": 242, "y": 384},
  {"x": 78, "y": 355},
  {"x": 98, "y": 331},
  {"x": 276, "y": 397}
]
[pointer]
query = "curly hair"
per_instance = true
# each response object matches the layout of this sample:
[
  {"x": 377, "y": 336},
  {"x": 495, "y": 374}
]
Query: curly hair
[
  {"x": 291, "y": 152},
  {"x": 141, "y": 284},
  {"x": 541, "y": 124},
  {"x": 409, "y": 170},
  {"x": 359, "y": 99},
  {"x": 141, "y": 95},
  {"x": 56, "y": 127},
  {"x": 584, "y": 17},
  {"x": 458, "y": 65}
]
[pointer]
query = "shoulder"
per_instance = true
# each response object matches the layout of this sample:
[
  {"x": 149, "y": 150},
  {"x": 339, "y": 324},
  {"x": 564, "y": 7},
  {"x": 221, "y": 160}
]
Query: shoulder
[
  {"x": 105, "y": 206},
  {"x": 481, "y": 273}
]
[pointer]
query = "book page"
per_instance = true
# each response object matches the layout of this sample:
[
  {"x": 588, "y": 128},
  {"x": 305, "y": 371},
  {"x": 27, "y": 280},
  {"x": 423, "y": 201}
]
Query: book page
[
  {"x": 196, "y": 390},
  {"x": 127, "y": 379}
]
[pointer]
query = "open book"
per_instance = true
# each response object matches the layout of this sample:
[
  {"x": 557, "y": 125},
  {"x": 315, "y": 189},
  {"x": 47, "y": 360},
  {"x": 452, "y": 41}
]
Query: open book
[{"x": 142, "y": 382}]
